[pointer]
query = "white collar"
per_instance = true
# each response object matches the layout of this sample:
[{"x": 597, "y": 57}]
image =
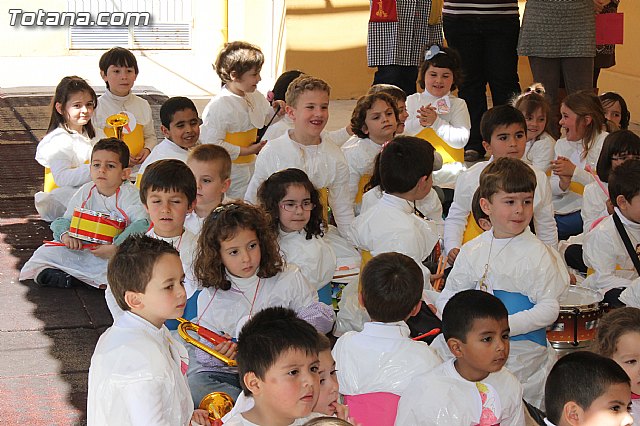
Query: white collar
[
  {"x": 396, "y": 202},
  {"x": 131, "y": 320},
  {"x": 242, "y": 284},
  {"x": 109, "y": 94},
  {"x": 626, "y": 222},
  {"x": 389, "y": 330}
]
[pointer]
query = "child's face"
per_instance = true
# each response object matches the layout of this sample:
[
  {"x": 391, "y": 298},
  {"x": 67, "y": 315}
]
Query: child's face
[
  {"x": 328, "y": 395},
  {"x": 611, "y": 408},
  {"x": 77, "y": 111},
  {"x": 630, "y": 209},
  {"x": 245, "y": 83},
  {"x": 507, "y": 141},
  {"x": 536, "y": 123},
  {"x": 291, "y": 209},
  {"x": 107, "y": 172},
  {"x": 241, "y": 253},
  {"x": 380, "y": 122},
  {"x": 310, "y": 114},
  {"x": 184, "y": 129},
  {"x": 438, "y": 81},
  {"x": 573, "y": 125},
  {"x": 164, "y": 297},
  {"x": 167, "y": 211},
  {"x": 402, "y": 116},
  {"x": 486, "y": 349},
  {"x": 613, "y": 111},
  {"x": 509, "y": 213},
  {"x": 627, "y": 354},
  {"x": 211, "y": 186},
  {"x": 120, "y": 79},
  {"x": 289, "y": 390}
]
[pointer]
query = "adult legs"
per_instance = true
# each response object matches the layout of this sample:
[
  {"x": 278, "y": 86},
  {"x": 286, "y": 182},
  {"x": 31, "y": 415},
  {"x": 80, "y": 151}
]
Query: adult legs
[
  {"x": 402, "y": 76},
  {"x": 578, "y": 74},
  {"x": 501, "y": 60},
  {"x": 548, "y": 72}
]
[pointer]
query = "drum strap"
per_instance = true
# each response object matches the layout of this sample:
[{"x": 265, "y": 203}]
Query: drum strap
[
  {"x": 124, "y": 215},
  {"x": 627, "y": 241}
]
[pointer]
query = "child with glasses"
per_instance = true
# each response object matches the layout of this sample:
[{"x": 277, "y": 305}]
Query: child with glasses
[{"x": 296, "y": 216}]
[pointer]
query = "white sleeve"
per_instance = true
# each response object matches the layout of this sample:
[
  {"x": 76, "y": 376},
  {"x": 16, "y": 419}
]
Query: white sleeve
[
  {"x": 339, "y": 136},
  {"x": 543, "y": 313},
  {"x": 144, "y": 402},
  {"x": 543, "y": 218},
  {"x": 412, "y": 125},
  {"x": 592, "y": 206},
  {"x": 631, "y": 295},
  {"x": 65, "y": 175},
  {"x": 150, "y": 137},
  {"x": 341, "y": 204},
  {"x": 215, "y": 125},
  {"x": 315, "y": 258},
  {"x": 456, "y": 220},
  {"x": 543, "y": 153},
  {"x": 354, "y": 174},
  {"x": 514, "y": 411},
  {"x": 582, "y": 176},
  {"x": 600, "y": 254},
  {"x": 261, "y": 172},
  {"x": 454, "y": 131}
]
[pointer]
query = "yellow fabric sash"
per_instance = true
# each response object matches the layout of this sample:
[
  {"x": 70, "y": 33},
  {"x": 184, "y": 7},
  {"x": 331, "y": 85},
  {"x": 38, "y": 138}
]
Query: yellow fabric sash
[
  {"x": 243, "y": 140},
  {"x": 361, "y": 184},
  {"x": 134, "y": 140},
  {"x": 448, "y": 153},
  {"x": 576, "y": 187},
  {"x": 472, "y": 229},
  {"x": 365, "y": 256},
  {"x": 324, "y": 200}
]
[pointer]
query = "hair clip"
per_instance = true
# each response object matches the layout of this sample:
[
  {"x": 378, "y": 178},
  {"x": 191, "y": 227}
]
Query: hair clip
[
  {"x": 271, "y": 96},
  {"x": 433, "y": 51},
  {"x": 536, "y": 89},
  {"x": 216, "y": 212}
]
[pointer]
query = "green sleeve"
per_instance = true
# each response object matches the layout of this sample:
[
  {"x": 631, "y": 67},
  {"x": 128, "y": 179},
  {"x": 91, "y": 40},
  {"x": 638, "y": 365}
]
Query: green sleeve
[
  {"x": 59, "y": 227},
  {"x": 138, "y": 227}
]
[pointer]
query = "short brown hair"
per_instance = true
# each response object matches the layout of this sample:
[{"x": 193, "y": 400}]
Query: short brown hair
[
  {"x": 612, "y": 326},
  {"x": 363, "y": 105},
  {"x": 238, "y": 57},
  {"x": 131, "y": 268},
  {"x": 168, "y": 175},
  {"x": 394, "y": 91},
  {"x": 223, "y": 223},
  {"x": 209, "y": 153},
  {"x": 510, "y": 175},
  {"x": 303, "y": 84}
]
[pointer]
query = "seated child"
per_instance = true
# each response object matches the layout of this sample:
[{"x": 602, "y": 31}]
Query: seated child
[
  {"x": 278, "y": 366},
  {"x": 304, "y": 148},
  {"x": 374, "y": 121},
  {"x": 537, "y": 112},
  {"x": 504, "y": 132},
  {"x": 618, "y": 338},
  {"x": 527, "y": 275},
  {"x": 65, "y": 151},
  {"x": 294, "y": 207},
  {"x": 604, "y": 250},
  {"x": 242, "y": 272},
  {"x": 382, "y": 357},
  {"x": 137, "y": 373},
  {"x": 168, "y": 192},
  {"x": 73, "y": 260},
  {"x": 328, "y": 396},
  {"x": 211, "y": 166},
  {"x": 279, "y": 128},
  {"x": 472, "y": 388},
  {"x": 481, "y": 218},
  {"x": 405, "y": 166},
  {"x": 400, "y": 98},
  {"x": 586, "y": 389},
  {"x": 615, "y": 109},
  {"x": 232, "y": 118},
  {"x": 181, "y": 130},
  {"x": 437, "y": 110},
  {"x": 119, "y": 71}
]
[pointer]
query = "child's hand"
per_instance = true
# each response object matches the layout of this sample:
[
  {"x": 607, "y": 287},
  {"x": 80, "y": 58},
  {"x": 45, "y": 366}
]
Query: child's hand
[
  {"x": 342, "y": 411},
  {"x": 228, "y": 348},
  {"x": 71, "y": 243},
  {"x": 562, "y": 166},
  {"x": 276, "y": 104},
  {"x": 252, "y": 149},
  {"x": 201, "y": 417},
  {"x": 572, "y": 279},
  {"x": 139, "y": 159},
  {"x": 427, "y": 115},
  {"x": 451, "y": 257},
  {"x": 565, "y": 181},
  {"x": 434, "y": 277},
  {"x": 104, "y": 251}
]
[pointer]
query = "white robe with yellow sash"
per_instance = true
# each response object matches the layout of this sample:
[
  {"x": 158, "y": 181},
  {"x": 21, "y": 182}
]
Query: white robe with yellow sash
[{"x": 360, "y": 154}]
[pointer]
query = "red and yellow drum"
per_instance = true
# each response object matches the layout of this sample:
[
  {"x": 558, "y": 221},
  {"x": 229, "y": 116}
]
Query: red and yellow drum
[
  {"x": 95, "y": 227},
  {"x": 580, "y": 311}
]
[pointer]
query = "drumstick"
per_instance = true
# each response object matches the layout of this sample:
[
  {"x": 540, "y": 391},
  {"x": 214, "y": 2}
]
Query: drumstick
[
  {"x": 59, "y": 244},
  {"x": 442, "y": 261},
  {"x": 427, "y": 334},
  {"x": 588, "y": 168}
]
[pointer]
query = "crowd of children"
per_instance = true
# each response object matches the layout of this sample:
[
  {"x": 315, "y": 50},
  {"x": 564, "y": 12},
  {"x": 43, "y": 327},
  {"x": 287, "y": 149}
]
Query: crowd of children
[{"x": 228, "y": 223}]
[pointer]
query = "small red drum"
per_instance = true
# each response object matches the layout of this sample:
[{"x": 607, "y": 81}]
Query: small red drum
[
  {"x": 95, "y": 227},
  {"x": 580, "y": 311}
]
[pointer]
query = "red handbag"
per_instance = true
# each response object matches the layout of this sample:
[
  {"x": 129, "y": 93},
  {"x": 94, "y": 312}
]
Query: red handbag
[{"x": 383, "y": 11}]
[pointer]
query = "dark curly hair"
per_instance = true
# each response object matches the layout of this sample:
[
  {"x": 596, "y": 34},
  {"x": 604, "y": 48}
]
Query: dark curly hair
[
  {"x": 364, "y": 104},
  {"x": 274, "y": 189},
  {"x": 612, "y": 326},
  {"x": 222, "y": 224}
]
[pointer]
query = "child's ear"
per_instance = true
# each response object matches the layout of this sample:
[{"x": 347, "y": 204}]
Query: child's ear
[
  {"x": 58, "y": 106},
  {"x": 485, "y": 205},
  {"x": 360, "y": 299},
  {"x": 487, "y": 147},
  {"x": 133, "y": 299},
  {"x": 588, "y": 120},
  {"x": 234, "y": 75},
  {"x": 165, "y": 131},
  {"x": 621, "y": 201},
  {"x": 455, "y": 346},
  {"x": 225, "y": 185},
  {"x": 252, "y": 382},
  {"x": 572, "y": 413},
  {"x": 103, "y": 75},
  {"x": 192, "y": 206},
  {"x": 290, "y": 111},
  {"x": 364, "y": 129},
  {"x": 126, "y": 172}
]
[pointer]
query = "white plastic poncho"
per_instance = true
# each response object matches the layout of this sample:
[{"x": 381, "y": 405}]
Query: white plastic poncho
[
  {"x": 444, "y": 398},
  {"x": 360, "y": 154},
  {"x": 380, "y": 358},
  {"x": 81, "y": 263},
  {"x": 314, "y": 257},
  {"x": 523, "y": 265},
  {"x": 230, "y": 113},
  {"x": 594, "y": 205},
  {"x": 324, "y": 164},
  {"x": 468, "y": 182},
  {"x": 539, "y": 153},
  {"x": 137, "y": 377},
  {"x": 65, "y": 153},
  {"x": 163, "y": 151}
]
